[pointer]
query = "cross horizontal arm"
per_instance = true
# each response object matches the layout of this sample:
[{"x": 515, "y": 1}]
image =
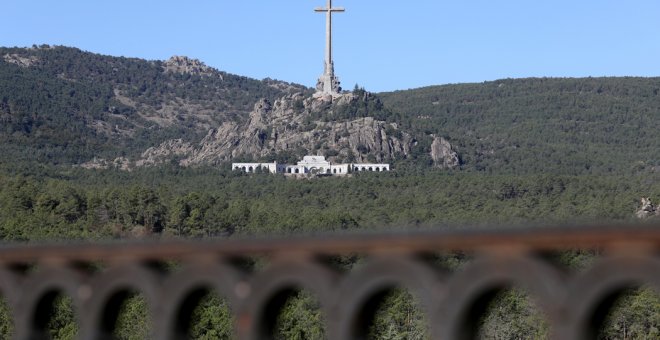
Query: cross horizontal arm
[{"x": 337, "y": 9}]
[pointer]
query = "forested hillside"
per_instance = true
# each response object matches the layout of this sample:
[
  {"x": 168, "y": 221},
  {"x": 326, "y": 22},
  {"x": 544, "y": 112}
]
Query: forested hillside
[
  {"x": 544, "y": 125},
  {"x": 60, "y": 105}
]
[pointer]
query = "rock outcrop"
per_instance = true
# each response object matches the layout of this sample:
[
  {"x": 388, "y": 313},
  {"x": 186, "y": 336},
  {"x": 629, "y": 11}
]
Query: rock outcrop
[
  {"x": 443, "y": 154},
  {"x": 296, "y": 125},
  {"x": 23, "y": 61},
  {"x": 647, "y": 209},
  {"x": 121, "y": 163},
  {"x": 169, "y": 150},
  {"x": 287, "y": 125},
  {"x": 183, "y": 65}
]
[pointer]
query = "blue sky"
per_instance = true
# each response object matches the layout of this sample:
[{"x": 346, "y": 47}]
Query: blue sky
[{"x": 380, "y": 44}]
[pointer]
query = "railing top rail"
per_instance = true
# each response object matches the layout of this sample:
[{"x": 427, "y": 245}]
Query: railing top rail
[{"x": 640, "y": 237}]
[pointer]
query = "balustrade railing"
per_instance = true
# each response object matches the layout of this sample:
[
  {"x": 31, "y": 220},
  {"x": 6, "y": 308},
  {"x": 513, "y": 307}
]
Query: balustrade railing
[{"x": 572, "y": 302}]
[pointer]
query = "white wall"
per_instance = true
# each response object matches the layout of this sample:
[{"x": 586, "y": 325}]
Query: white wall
[
  {"x": 252, "y": 167},
  {"x": 370, "y": 167}
]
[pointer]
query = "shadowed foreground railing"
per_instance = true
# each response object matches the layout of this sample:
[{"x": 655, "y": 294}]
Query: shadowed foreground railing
[{"x": 572, "y": 303}]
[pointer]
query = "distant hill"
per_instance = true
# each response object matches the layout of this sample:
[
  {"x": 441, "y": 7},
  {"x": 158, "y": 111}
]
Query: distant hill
[
  {"x": 543, "y": 125},
  {"x": 64, "y": 105},
  {"x": 61, "y": 105}
]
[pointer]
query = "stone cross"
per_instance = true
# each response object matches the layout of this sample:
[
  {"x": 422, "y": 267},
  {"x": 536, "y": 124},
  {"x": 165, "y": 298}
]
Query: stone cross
[{"x": 328, "y": 83}]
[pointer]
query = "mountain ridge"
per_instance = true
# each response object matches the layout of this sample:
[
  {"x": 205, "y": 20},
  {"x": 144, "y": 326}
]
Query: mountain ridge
[{"x": 64, "y": 106}]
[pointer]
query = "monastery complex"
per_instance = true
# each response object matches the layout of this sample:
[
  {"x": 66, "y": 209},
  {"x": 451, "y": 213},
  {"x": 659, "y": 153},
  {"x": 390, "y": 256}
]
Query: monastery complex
[{"x": 312, "y": 165}]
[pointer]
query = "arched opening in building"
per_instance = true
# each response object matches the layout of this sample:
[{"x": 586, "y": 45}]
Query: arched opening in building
[
  {"x": 251, "y": 169},
  {"x": 334, "y": 171},
  {"x": 297, "y": 170},
  {"x": 244, "y": 169}
]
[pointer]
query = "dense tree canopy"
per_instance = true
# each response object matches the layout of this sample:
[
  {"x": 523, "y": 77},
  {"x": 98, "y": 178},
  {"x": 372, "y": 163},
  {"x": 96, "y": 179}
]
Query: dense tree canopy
[{"x": 542, "y": 125}]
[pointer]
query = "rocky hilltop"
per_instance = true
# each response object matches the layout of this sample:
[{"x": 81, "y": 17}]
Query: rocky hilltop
[
  {"x": 64, "y": 106},
  {"x": 297, "y": 125},
  {"x": 185, "y": 65}
]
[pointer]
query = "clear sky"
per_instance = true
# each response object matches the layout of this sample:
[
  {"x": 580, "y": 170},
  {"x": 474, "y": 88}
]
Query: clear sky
[{"x": 379, "y": 44}]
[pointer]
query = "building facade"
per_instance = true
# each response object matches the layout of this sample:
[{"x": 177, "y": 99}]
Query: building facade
[{"x": 313, "y": 165}]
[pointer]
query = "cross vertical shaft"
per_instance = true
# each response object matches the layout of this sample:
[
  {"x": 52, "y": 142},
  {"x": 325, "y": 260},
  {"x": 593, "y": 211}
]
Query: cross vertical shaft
[{"x": 328, "y": 83}]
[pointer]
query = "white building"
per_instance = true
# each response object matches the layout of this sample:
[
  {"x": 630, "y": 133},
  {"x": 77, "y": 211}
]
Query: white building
[
  {"x": 314, "y": 165},
  {"x": 254, "y": 167}
]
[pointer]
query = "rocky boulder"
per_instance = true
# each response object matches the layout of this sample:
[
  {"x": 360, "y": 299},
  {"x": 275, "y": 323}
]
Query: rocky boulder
[
  {"x": 443, "y": 154},
  {"x": 185, "y": 65},
  {"x": 175, "y": 148},
  {"x": 647, "y": 209}
]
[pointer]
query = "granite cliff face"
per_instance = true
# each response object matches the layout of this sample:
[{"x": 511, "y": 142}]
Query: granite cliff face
[
  {"x": 291, "y": 126},
  {"x": 443, "y": 154}
]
